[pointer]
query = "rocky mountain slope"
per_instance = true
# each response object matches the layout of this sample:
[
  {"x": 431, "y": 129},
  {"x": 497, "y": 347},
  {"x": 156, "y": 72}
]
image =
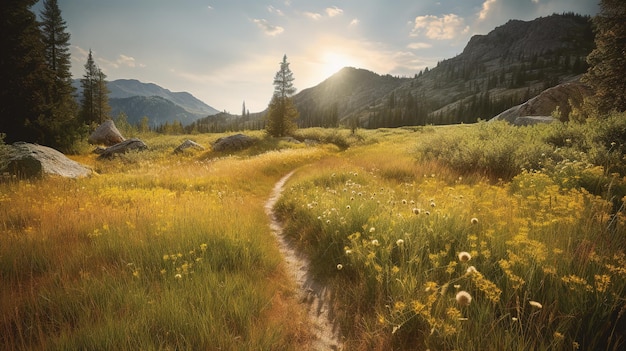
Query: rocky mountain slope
[{"x": 506, "y": 67}]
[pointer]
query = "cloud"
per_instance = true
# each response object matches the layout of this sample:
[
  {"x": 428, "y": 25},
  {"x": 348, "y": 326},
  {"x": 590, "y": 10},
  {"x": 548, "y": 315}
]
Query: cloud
[
  {"x": 446, "y": 27},
  {"x": 487, "y": 6},
  {"x": 267, "y": 27},
  {"x": 272, "y": 9},
  {"x": 333, "y": 11},
  {"x": 313, "y": 15},
  {"x": 354, "y": 22},
  {"x": 418, "y": 46},
  {"x": 124, "y": 60}
]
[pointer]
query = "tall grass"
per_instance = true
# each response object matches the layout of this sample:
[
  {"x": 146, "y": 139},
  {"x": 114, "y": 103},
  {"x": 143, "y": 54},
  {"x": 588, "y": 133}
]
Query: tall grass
[
  {"x": 164, "y": 251},
  {"x": 542, "y": 259},
  {"x": 156, "y": 251}
]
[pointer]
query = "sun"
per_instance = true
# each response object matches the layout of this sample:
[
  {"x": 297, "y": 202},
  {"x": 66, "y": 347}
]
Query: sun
[{"x": 332, "y": 62}]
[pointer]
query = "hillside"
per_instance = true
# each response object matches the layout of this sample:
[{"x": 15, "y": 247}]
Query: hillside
[
  {"x": 137, "y": 99},
  {"x": 124, "y": 88},
  {"x": 509, "y": 65},
  {"x": 159, "y": 110}
]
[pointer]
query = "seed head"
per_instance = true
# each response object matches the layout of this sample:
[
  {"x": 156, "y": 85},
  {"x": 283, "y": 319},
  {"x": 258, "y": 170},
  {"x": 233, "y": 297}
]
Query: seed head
[
  {"x": 463, "y": 298},
  {"x": 464, "y": 256}
]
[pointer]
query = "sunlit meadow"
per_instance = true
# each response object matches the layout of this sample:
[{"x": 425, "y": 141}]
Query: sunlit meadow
[
  {"x": 481, "y": 237},
  {"x": 423, "y": 256},
  {"x": 157, "y": 251}
]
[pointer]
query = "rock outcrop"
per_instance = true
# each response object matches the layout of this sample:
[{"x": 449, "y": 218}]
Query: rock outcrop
[
  {"x": 123, "y": 147},
  {"x": 234, "y": 143},
  {"x": 106, "y": 134},
  {"x": 32, "y": 160},
  {"x": 188, "y": 144},
  {"x": 564, "y": 96}
]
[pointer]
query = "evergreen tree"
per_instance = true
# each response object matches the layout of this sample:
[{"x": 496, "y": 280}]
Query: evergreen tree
[
  {"x": 607, "y": 71},
  {"x": 24, "y": 76},
  {"x": 282, "y": 112},
  {"x": 103, "y": 109},
  {"x": 95, "y": 100},
  {"x": 61, "y": 119},
  {"x": 88, "y": 83}
]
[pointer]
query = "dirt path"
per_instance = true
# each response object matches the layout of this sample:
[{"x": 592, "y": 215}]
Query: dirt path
[{"x": 315, "y": 296}]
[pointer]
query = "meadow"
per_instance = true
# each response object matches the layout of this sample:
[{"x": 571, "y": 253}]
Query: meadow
[{"x": 469, "y": 237}]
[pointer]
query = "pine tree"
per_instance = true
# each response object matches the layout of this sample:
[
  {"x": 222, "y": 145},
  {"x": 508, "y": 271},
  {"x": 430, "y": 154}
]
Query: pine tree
[
  {"x": 103, "y": 109},
  {"x": 95, "y": 101},
  {"x": 607, "y": 71},
  {"x": 88, "y": 83},
  {"x": 24, "y": 76},
  {"x": 61, "y": 121},
  {"x": 282, "y": 112}
]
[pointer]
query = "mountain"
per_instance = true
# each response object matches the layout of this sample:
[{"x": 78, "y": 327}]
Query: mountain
[
  {"x": 125, "y": 88},
  {"x": 137, "y": 99},
  {"x": 506, "y": 67},
  {"x": 335, "y": 98},
  {"x": 159, "y": 110}
]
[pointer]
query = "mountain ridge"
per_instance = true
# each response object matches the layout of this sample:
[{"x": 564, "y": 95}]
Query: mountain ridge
[
  {"x": 498, "y": 70},
  {"x": 137, "y": 99}
]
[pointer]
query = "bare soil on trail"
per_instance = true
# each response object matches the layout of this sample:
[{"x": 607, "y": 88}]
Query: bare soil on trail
[{"x": 315, "y": 297}]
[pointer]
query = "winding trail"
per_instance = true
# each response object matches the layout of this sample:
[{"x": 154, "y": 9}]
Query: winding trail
[{"x": 316, "y": 297}]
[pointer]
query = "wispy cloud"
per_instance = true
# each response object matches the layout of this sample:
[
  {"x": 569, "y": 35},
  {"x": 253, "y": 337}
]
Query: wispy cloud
[
  {"x": 419, "y": 46},
  {"x": 124, "y": 60},
  {"x": 333, "y": 11},
  {"x": 313, "y": 15},
  {"x": 439, "y": 28},
  {"x": 354, "y": 22},
  {"x": 272, "y": 9},
  {"x": 268, "y": 28}
]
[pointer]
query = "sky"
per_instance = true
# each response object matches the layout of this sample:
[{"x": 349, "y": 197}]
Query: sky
[{"x": 226, "y": 52}]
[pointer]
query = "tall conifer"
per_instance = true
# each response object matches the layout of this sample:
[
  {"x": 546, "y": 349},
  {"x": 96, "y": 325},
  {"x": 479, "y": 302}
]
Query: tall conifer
[
  {"x": 61, "y": 120},
  {"x": 24, "y": 76},
  {"x": 282, "y": 112}
]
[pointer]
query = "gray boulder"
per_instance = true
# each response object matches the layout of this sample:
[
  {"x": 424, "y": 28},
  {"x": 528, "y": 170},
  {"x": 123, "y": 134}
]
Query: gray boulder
[
  {"x": 106, "y": 134},
  {"x": 32, "y": 160},
  {"x": 188, "y": 144},
  {"x": 234, "y": 143},
  {"x": 123, "y": 147},
  {"x": 563, "y": 95}
]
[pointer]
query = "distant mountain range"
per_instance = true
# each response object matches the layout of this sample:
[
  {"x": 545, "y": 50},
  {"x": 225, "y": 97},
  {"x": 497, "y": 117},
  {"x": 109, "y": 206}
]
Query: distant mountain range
[
  {"x": 509, "y": 65},
  {"x": 160, "y": 105}
]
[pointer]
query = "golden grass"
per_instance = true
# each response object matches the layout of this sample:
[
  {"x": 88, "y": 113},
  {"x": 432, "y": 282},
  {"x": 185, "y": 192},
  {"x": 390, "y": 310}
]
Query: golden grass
[
  {"x": 155, "y": 251},
  {"x": 163, "y": 251}
]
